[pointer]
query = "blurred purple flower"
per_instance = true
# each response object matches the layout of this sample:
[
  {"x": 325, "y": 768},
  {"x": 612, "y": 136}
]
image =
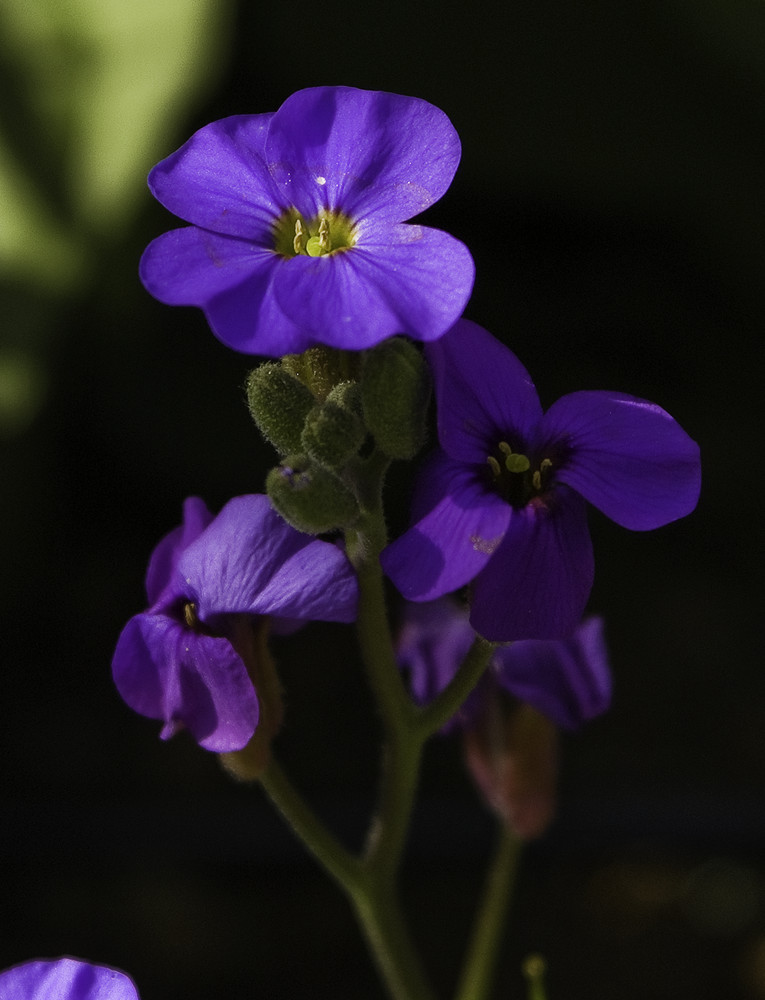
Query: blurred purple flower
[
  {"x": 296, "y": 233},
  {"x": 65, "y": 979},
  {"x": 502, "y": 503},
  {"x": 567, "y": 680},
  {"x": 181, "y": 660}
]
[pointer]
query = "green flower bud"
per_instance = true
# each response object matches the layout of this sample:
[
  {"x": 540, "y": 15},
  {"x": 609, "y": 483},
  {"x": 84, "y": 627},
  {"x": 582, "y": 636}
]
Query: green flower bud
[
  {"x": 322, "y": 368},
  {"x": 279, "y": 404},
  {"x": 333, "y": 431},
  {"x": 309, "y": 497},
  {"x": 395, "y": 392}
]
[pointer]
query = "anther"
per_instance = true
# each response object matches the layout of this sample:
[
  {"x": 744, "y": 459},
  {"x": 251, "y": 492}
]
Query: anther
[
  {"x": 297, "y": 243},
  {"x": 505, "y": 448},
  {"x": 536, "y": 480},
  {"x": 494, "y": 466},
  {"x": 190, "y": 614},
  {"x": 324, "y": 235}
]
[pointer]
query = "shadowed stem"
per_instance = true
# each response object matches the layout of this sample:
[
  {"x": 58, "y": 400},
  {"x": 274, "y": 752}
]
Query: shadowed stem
[{"x": 481, "y": 957}]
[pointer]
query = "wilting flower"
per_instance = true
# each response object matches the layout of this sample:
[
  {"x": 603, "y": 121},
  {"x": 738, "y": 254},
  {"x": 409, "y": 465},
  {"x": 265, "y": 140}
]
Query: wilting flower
[
  {"x": 296, "y": 233},
  {"x": 183, "y": 660},
  {"x": 502, "y": 503},
  {"x": 65, "y": 979},
  {"x": 509, "y": 722}
]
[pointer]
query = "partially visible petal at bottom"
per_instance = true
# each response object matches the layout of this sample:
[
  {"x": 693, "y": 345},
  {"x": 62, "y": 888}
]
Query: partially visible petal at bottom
[
  {"x": 65, "y": 979},
  {"x": 536, "y": 584}
]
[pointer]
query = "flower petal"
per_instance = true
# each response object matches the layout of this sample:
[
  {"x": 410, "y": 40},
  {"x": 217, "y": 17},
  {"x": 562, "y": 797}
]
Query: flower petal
[
  {"x": 166, "y": 671},
  {"x": 160, "y": 575},
  {"x": 231, "y": 280},
  {"x": 536, "y": 584},
  {"x": 568, "y": 680},
  {"x": 628, "y": 457},
  {"x": 365, "y": 153},
  {"x": 398, "y": 279},
  {"x": 451, "y": 543},
  {"x": 65, "y": 979},
  {"x": 250, "y": 561},
  {"x": 484, "y": 395},
  {"x": 219, "y": 180}
]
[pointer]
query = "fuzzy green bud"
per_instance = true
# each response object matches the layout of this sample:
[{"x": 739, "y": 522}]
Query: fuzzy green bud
[
  {"x": 395, "y": 392},
  {"x": 333, "y": 430},
  {"x": 309, "y": 497},
  {"x": 279, "y": 404}
]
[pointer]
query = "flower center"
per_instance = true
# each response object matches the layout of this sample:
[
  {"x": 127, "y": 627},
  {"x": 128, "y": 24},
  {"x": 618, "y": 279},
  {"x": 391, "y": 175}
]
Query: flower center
[
  {"x": 326, "y": 233},
  {"x": 513, "y": 476}
]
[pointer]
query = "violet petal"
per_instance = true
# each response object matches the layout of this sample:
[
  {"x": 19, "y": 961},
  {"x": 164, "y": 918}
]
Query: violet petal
[
  {"x": 483, "y": 393},
  {"x": 405, "y": 279},
  {"x": 250, "y": 561},
  {"x": 219, "y": 179},
  {"x": 366, "y": 153},
  {"x": 537, "y": 583},
  {"x": 451, "y": 543},
  {"x": 160, "y": 575},
  {"x": 166, "y": 671},
  {"x": 628, "y": 457},
  {"x": 568, "y": 680},
  {"x": 65, "y": 979}
]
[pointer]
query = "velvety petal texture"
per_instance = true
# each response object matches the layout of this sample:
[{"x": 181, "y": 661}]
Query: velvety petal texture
[
  {"x": 369, "y": 159},
  {"x": 501, "y": 506},
  {"x": 568, "y": 681},
  {"x": 250, "y": 561},
  {"x": 628, "y": 457},
  {"x": 65, "y": 979},
  {"x": 180, "y": 661}
]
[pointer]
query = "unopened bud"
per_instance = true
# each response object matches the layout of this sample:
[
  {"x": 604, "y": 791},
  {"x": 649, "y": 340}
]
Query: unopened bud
[
  {"x": 279, "y": 404},
  {"x": 395, "y": 392},
  {"x": 511, "y": 751},
  {"x": 309, "y": 497},
  {"x": 333, "y": 430}
]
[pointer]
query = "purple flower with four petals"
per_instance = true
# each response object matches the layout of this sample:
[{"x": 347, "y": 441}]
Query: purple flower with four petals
[
  {"x": 65, "y": 979},
  {"x": 181, "y": 661},
  {"x": 297, "y": 234},
  {"x": 502, "y": 503},
  {"x": 567, "y": 680}
]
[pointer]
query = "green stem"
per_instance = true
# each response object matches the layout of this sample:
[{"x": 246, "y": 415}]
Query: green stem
[
  {"x": 448, "y": 701},
  {"x": 481, "y": 957},
  {"x": 340, "y": 864}
]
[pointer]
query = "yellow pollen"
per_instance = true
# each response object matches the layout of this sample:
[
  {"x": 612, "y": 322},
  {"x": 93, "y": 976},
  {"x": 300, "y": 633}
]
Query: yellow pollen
[
  {"x": 297, "y": 243},
  {"x": 494, "y": 466},
  {"x": 190, "y": 614}
]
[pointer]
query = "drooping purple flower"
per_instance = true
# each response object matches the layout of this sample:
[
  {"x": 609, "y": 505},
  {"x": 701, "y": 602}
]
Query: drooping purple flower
[
  {"x": 181, "y": 661},
  {"x": 509, "y": 721},
  {"x": 297, "y": 234},
  {"x": 502, "y": 502},
  {"x": 65, "y": 979},
  {"x": 567, "y": 680}
]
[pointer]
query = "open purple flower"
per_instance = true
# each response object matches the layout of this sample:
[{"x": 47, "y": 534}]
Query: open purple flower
[
  {"x": 567, "y": 680},
  {"x": 296, "y": 233},
  {"x": 65, "y": 979},
  {"x": 502, "y": 503},
  {"x": 181, "y": 660}
]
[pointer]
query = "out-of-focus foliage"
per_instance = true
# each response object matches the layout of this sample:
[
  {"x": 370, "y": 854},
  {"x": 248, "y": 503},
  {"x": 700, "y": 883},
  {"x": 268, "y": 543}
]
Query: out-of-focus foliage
[{"x": 92, "y": 88}]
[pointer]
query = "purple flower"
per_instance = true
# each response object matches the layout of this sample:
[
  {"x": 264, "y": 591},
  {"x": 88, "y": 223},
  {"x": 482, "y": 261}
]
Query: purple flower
[
  {"x": 296, "y": 233},
  {"x": 567, "y": 680},
  {"x": 502, "y": 503},
  {"x": 65, "y": 979},
  {"x": 182, "y": 660}
]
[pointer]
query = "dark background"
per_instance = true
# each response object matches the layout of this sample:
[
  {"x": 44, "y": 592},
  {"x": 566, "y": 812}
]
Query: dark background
[{"x": 611, "y": 191}]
